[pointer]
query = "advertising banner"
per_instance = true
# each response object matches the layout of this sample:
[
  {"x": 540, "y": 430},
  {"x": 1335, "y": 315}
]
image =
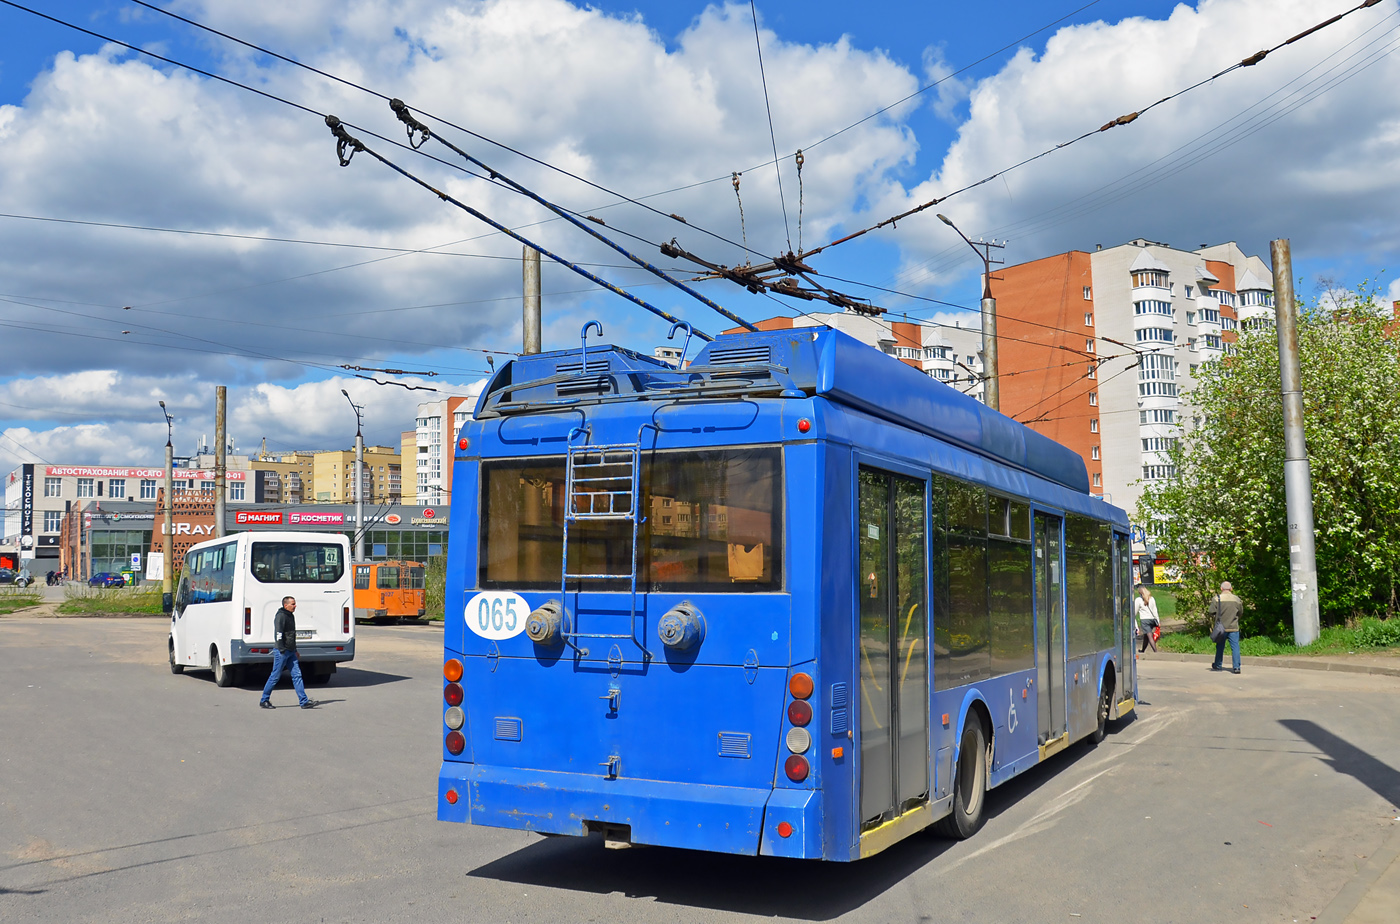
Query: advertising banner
[
  {"x": 316, "y": 519},
  {"x": 265, "y": 519},
  {"x": 26, "y": 505},
  {"x": 93, "y": 471}
]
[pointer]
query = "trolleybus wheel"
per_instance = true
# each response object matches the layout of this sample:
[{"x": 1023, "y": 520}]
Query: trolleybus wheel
[
  {"x": 223, "y": 675},
  {"x": 969, "y": 784},
  {"x": 1105, "y": 704},
  {"x": 174, "y": 668}
]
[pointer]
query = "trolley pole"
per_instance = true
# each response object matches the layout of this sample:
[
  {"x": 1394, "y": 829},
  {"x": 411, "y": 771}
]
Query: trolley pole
[
  {"x": 359, "y": 478},
  {"x": 220, "y": 459},
  {"x": 530, "y": 273},
  {"x": 991, "y": 380},
  {"x": 1297, "y": 472},
  {"x": 167, "y": 597}
]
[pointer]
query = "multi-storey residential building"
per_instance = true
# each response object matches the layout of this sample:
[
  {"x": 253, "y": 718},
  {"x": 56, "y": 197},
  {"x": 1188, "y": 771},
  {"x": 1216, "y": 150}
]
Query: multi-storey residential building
[
  {"x": 1096, "y": 349},
  {"x": 408, "y": 459},
  {"x": 438, "y": 424},
  {"x": 334, "y": 476},
  {"x": 290, "y": 476},
  {"x": 950, "y": 353}
]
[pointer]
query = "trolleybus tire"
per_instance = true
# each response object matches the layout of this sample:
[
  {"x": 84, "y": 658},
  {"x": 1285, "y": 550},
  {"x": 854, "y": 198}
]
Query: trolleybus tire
[
  {"x": 174, "y": 667},
  {"x": 1105, "y": 705},
  {"x": 223, "y": 674},
  {"x": 969, "y": 784}
]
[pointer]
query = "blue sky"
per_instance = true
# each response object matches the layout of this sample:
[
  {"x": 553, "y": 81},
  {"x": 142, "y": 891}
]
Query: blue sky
[{"x": 640, "y": 98}]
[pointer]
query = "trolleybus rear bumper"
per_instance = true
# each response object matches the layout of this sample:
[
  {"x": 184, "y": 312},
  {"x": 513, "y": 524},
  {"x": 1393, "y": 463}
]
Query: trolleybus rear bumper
[{"x": 729, "y": 819}]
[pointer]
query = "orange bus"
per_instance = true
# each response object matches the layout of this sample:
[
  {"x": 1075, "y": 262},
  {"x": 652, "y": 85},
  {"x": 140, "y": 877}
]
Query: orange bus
[{"x": 389, "y": 590}]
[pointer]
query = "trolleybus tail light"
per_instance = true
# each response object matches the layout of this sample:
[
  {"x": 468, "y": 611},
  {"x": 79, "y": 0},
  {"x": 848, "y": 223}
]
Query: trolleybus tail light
[
  {"x": 799, "y": 712},
  {"x": 452, "y": 694},
  {"x": 452, "y": 670},
  {"x": 456, "y": 744},
  {"x": 800, "y": 686},
  {"x": 803, "y": 426},
  {"x": 462, "y": 443},
  {"x": 345, "y": 619},
  {"x": 784, "y": 829},
  {"x": 247, "y": 620},
  {"x": 798, "y": 740},
  {"x": 451, "y": 797},
  {"x": 795, "y": 767}
]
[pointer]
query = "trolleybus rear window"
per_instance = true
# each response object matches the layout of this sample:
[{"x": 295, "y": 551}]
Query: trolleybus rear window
[
  {"x": 713, "y": 523},
  {"x": 297, "y": 562}
]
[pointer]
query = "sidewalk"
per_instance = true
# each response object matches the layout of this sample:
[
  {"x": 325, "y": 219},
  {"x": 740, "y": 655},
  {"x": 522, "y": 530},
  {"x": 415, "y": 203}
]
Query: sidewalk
[{"x": 1387, "y": 665}]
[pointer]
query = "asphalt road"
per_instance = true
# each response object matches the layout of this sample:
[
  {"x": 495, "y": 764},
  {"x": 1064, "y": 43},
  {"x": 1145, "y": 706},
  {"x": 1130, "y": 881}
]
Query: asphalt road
[{"x": 131, "y": 794}]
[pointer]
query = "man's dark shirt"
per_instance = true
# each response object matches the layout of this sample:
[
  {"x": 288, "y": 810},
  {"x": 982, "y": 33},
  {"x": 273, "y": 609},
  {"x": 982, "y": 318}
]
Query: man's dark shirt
[{"x": 284, "y": 630}]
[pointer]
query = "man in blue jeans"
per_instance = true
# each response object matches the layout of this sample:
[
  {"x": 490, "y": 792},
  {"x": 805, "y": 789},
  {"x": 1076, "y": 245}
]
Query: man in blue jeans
[
  {"x": 284, "y": 637},
  {"x": 1226, "y": 610}
]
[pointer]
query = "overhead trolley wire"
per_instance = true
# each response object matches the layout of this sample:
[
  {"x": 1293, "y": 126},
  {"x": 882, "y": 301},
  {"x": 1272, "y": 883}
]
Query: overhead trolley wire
[
  {"x": 768, "y": 107},
  {"x": 346, "y": 148},
  {"x": 1125, "y": 119}
]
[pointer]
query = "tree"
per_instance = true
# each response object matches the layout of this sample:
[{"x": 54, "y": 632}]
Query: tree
[{"x": 1221, "y": 516}]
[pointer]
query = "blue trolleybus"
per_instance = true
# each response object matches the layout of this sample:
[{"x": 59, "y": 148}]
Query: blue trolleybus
[{"x": 797, "y": 599}]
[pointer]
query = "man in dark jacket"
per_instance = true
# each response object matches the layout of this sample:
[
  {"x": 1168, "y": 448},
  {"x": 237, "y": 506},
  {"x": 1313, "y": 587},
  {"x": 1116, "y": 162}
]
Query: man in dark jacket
[
  {"x": 284, "y": 636},
  {"x": 1226, "y": 609}
]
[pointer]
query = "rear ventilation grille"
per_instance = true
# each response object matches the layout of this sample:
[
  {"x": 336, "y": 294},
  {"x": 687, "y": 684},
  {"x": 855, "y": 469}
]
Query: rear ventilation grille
[
  {"x": 838, "y": 695},
  {"x": 575, "y": 366},
  {"x": 507, "y": 729},
  {"x": 733, "y": 744},
  {"x": 741, "y": 356},
  {"x": 839, "y": 722},
  {"x": 592, "y": 385}
]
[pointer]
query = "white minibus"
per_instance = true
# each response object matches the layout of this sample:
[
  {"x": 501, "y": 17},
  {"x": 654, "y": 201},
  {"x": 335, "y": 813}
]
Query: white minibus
[{"x": 232, "y": 587}]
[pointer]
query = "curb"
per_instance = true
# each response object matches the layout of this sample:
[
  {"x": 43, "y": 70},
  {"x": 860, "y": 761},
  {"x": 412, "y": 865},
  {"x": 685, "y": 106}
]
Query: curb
[{"x": 1309, "y": 664}]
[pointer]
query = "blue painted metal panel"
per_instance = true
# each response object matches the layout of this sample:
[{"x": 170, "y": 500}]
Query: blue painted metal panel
[{"x": 803, "y": 812}]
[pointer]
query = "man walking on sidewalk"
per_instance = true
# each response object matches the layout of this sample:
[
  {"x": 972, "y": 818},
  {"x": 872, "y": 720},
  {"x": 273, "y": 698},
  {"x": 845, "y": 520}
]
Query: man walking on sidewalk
[
  {"x": 1225, "y": 610},
  {"x": 284, "y": 636}
]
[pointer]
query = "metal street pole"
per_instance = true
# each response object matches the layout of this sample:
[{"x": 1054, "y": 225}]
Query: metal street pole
[
  {"x": 991, "y": 381},
  {"x": 220, "y": 458},
  {"x": 359, "y": 479},
  {"x": 167, "y": 598},
  {"x": 1297, "y": 473},
  {"x": 530, "y": 273}
]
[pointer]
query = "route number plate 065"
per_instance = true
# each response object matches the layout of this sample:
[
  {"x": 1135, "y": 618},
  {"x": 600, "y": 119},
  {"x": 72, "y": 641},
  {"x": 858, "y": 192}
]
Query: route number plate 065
[{"x": 497, "y": 615}]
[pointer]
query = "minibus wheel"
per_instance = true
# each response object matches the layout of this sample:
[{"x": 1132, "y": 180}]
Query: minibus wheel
[
  {"x": 969, "y": 784},
  {"x": 174, "y": 667},
  {"x": 223, "y": 674}
]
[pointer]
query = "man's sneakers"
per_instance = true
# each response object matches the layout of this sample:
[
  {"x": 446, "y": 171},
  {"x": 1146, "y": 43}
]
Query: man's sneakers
[
  {"x": 1216, "y": 667},
  {"x": 1235, "y": 671},
  {"x": 310, "y": 704},
  {"x": 265, "y": 704}
]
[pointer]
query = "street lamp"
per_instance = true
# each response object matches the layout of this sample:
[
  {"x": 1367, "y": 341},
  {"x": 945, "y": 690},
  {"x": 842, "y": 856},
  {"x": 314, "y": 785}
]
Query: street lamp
[
  {"x": 359, "y": 477},
  {"x": 167, "y": 599},
  {"x": 991, "y": 390}
]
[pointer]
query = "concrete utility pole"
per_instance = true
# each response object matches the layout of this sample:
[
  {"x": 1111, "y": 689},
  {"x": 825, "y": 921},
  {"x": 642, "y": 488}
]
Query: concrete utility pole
[
  {"x": 167, "y": 598},
  {"x": 1297, "y": 473},
  {"x": 359, "y": 478},
  {"x": 530, "y": 273},
  {"x": 991, "y": 381},
  {"x": 220, "y": 458}
]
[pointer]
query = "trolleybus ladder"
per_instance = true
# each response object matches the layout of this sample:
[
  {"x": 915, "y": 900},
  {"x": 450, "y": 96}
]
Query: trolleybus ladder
[{"x": 602, "y": 483}]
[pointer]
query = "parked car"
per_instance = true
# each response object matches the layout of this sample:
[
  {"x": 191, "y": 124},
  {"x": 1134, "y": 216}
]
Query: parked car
[
  {"x": 106, "y": 579},
  {"x": 6, "y": 576}
]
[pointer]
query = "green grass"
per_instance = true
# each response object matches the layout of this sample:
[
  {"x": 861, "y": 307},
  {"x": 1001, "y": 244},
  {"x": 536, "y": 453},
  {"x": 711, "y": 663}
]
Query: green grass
[
  {"x": 13, "y": 599},
  {"x": 1369, "y": 635},
  {"x": 1166, "y": 601},
  {"x": 102, "y": 601}
]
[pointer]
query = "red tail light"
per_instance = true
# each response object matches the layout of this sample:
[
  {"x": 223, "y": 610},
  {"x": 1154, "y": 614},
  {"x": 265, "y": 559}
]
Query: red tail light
[
  {"x": 345, "y": 619},
  {"x": 452, "y": 693},
  {"x": 451, "y": 796},
  {"x": 796, "y": 768},
  {"x": 456, "y": 744},
  {"x": 799, "y": 712},
  {"x": 247, "y": 620}
]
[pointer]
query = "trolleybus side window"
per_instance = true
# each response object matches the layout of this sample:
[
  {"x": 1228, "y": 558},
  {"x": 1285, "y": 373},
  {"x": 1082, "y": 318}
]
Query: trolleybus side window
[
  {"x": 414, "y": 579},
  {"x": 362, "y": 577},
  {"x": 388, "y": 577},
  {"x": 297, "y": 562},
  {"x": 713, "y": 523},
  {"x": 1089, "y": 585},
  {"x": 965, "y": 628}
]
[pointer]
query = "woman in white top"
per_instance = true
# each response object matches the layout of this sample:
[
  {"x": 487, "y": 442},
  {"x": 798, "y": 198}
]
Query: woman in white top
[{"x": 1145, "y": 615}]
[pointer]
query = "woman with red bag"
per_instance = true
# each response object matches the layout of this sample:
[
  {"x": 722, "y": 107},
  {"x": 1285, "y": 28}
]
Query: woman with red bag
[{"x": 1149, "y": 625}]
